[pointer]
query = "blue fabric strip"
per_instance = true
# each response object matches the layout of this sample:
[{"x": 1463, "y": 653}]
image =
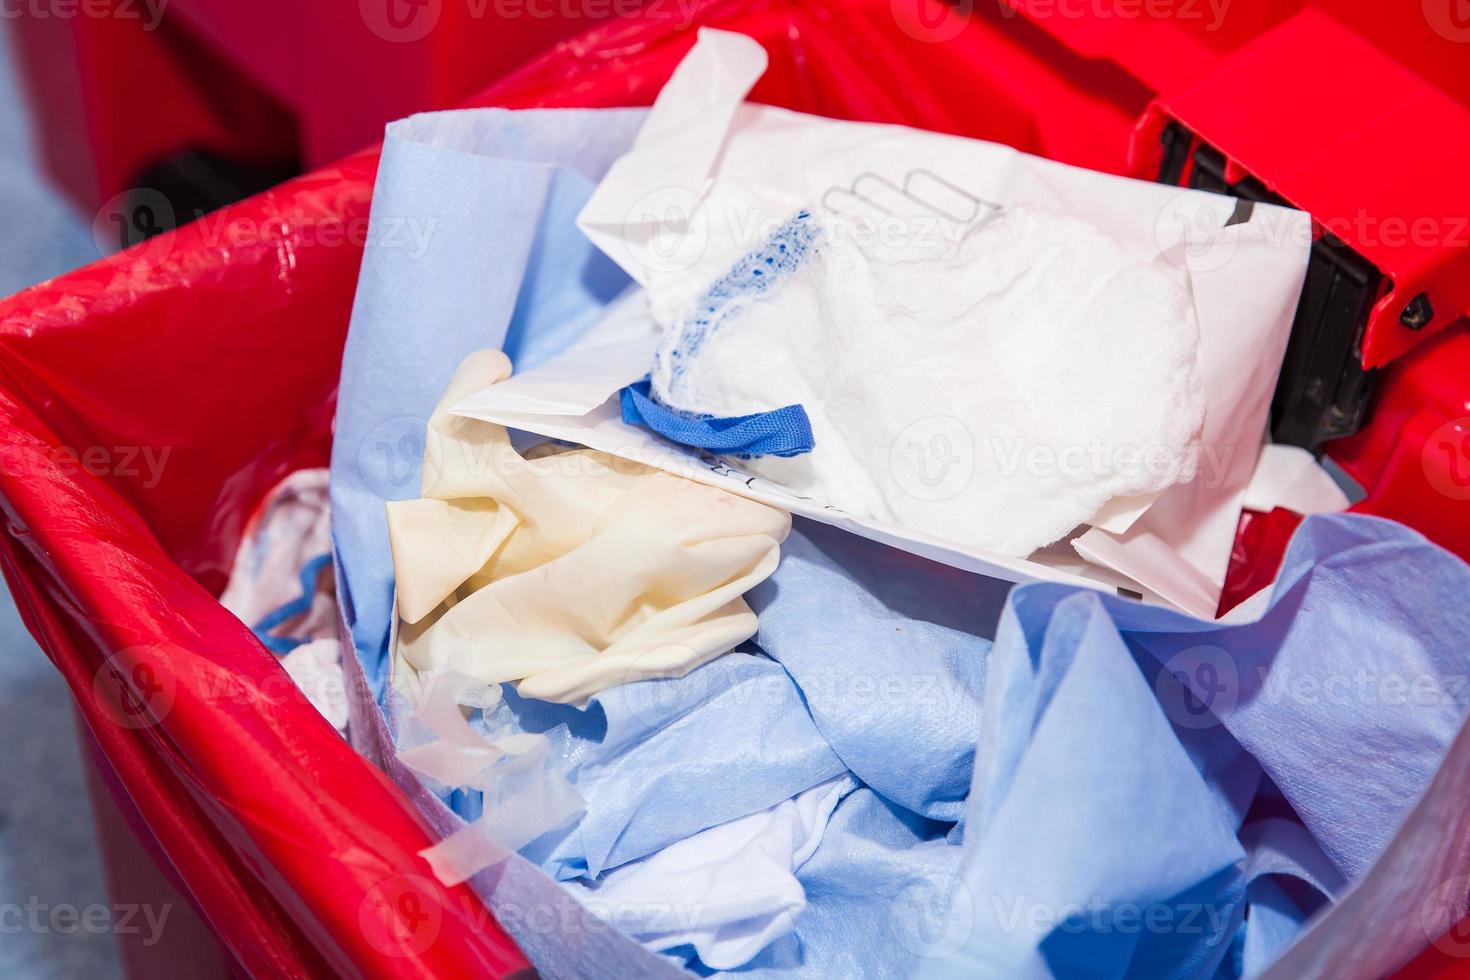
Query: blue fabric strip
[
  {"x": 781, "y": 432},
  {"x": 281, "y": 645}
]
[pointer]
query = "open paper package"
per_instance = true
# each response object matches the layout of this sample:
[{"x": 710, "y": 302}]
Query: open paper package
[
  {"x": 837, "y": 743},
  {"x": 1244, "y": 279}
]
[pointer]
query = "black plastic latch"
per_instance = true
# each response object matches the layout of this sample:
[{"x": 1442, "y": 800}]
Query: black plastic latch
[{"x": 1324, "y": 392}]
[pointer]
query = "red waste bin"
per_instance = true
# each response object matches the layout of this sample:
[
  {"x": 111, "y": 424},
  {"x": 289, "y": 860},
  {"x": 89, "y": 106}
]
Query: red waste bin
[
  {"x": 148, "y": 402},
  {"x": 120, "y": 86}
]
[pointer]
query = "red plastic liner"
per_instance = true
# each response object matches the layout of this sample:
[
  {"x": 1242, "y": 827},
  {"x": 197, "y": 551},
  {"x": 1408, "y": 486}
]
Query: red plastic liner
[{"x": 147, "y": 403}]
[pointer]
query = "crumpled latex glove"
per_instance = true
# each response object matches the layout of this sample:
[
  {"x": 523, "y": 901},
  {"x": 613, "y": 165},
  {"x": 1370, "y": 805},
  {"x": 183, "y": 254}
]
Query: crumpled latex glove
[{"x": 570, "y": 573}]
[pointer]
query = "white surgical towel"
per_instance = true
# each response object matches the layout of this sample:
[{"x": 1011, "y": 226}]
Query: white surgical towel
[{"x": 729, "y": 891}]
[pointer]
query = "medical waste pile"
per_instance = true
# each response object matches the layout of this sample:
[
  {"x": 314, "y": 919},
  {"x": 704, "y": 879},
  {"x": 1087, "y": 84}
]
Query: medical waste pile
[{"x": 812, "y": 559}]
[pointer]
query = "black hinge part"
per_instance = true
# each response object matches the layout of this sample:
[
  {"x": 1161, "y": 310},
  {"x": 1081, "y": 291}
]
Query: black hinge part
[{"x": 1324, "y": 392}]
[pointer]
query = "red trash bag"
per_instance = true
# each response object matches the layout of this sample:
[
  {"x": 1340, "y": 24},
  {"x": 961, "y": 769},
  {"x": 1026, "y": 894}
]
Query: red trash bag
[{"x": 149, "y": 401}]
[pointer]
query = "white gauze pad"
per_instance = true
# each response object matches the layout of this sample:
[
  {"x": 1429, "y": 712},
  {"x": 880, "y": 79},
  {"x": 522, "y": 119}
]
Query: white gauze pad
[{"x": 995, "y": 389}]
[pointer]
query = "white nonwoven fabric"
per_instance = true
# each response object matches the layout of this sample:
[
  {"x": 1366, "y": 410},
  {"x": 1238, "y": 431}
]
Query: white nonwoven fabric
[
  {"x": 568, "y": 573},
  {"x": 291, "y": 529},
  {"x": 316, "y": 669},
  {"x": 996, "y": 388},
  {"x": 729, "y": 892}
]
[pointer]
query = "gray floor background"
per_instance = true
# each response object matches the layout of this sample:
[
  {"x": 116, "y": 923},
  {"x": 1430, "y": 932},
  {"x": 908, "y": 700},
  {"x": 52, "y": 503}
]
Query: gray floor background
[{"x": 48, "y": 852}]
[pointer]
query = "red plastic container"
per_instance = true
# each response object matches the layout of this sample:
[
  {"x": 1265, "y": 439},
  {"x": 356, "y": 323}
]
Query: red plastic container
[
  {"x": 118, "y": 86},
  {"x": 147, "y": 403}
]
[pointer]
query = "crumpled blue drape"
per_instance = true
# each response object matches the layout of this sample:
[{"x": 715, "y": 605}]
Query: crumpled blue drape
[{"x": 1107, "y": 787}]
